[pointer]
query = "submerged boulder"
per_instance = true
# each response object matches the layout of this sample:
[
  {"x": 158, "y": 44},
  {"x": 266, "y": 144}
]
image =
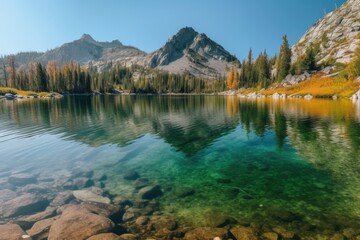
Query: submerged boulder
[
  {"x": 150, "y": 192},
  {"x": 206, "y": 233},
  {"x": 23, "y": 205},
  {"x": 11, "y": 232},
  {"x": 91, "y": 195},
  {"x": 78, "y": 223}
]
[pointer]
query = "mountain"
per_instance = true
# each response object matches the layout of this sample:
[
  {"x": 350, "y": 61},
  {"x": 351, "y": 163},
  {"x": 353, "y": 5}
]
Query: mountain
[
  {"x": 187, "y": 51},
  {"x": 193, "y": 52},
  {"x": 336, "y": 35}
]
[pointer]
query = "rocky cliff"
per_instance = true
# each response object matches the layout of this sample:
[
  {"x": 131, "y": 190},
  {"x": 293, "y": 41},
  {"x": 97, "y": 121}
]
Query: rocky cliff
[
  {"x": 336, "y": 35},
  {"x": 193, "y": 52}
]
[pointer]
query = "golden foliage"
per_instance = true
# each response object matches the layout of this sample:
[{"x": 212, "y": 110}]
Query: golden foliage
[
  {"x": 319, "y": 86},
  {"x": 4, "y": 90}
]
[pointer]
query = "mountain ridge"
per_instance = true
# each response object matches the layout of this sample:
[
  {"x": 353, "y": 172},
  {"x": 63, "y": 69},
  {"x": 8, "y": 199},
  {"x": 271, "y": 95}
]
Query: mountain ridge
[{"x": 185, "y": 52}]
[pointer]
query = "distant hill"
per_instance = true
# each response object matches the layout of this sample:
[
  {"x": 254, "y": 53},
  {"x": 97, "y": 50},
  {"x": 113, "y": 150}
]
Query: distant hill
[
  {"x": 336, "y": 35},
  {"x": 187, "y": 51}
]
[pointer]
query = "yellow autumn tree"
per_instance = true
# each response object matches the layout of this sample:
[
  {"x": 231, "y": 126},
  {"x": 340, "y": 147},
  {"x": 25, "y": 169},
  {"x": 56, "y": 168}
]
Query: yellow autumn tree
[
  {"x": 230, "y": 79},
  {"x": 235, "y": 81}
]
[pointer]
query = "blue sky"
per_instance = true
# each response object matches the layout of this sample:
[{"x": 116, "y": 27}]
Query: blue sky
[{"x": 237, "y": 25}]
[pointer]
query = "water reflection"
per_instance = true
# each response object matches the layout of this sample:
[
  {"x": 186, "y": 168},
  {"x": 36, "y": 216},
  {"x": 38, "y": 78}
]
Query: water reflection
[{"x": 298, "y": 155}]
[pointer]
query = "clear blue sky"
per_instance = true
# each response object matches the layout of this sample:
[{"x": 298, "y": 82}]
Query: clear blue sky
[{"x": 237, "y": 25}]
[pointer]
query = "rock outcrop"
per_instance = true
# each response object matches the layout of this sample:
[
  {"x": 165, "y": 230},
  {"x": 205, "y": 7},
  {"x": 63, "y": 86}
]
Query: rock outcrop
[{"x": 337, "y": 35}]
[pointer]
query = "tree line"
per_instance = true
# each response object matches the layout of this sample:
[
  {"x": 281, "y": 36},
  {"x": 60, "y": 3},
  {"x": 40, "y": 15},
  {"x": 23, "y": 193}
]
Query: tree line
[
  {"x": 266, "y": 70},
  {"x": 72, "y": 78}
]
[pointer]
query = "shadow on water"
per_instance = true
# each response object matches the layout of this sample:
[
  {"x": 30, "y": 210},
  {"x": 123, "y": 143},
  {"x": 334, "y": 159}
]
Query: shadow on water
[{"x": 292, "y": 163}]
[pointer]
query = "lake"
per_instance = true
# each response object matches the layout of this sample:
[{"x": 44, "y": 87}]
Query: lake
[{"x": 290, "y": 163}]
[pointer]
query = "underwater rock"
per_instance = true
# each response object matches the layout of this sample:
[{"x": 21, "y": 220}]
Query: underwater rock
[
  {"x": 40, "y": 230},
  {"x": 105, "y": 236},
  {"x": 4, "y": 184},
  {"x": 270, "y": 236},
  {"x": 163, "y": 222},
  {"x": 216, "y": 218},
  {"x": 6, "y": 195},
  {"x": 78, "y": 223},
  {"x": 150, "y": 192},
  {"x": 141, "y": 182},
  {"x": 121, "y": 201},
  {"x": 131, "y": 213},
  {"x": 28, "y": 221},
  {"x": 78, "y": 183},
  {"x": 284, "y": 233},
  {"x": 62, "y": 198},
  {"x": 104, "y": 209},
  {"x": 23, "y": 205},
  {"x": 22, "y": 179},
  {"x": 11, "y": 232},
  {"x": 338, "y": 236},
  {"x": 184, "y": 192},
  {"x": 131, "y": 175},
  {"x": 128, "y": 236},
  {"x": 244, "y": 233},
  {"x": 207, "y": 233},
  {"x": 91, "y": 195},
  {"x": 143, "y": 220}
]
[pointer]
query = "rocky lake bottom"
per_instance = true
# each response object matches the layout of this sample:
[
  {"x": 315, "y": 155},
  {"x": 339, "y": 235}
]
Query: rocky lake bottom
[{"x": 179, "y": 168}]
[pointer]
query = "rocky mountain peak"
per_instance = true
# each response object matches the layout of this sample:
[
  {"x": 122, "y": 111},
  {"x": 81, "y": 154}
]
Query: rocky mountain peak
[
  {"x": 336, "y": 35},
  {"x": 87, "y": 37}
]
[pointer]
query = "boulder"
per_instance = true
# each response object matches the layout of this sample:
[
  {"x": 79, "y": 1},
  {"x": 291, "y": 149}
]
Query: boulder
[
  {"x": 91, "y": 195},
  {"x": 308, "y": 96},
  {"x": 150, "y": 192},
  {"x": 104, "y": 209},
  {"x": 129, "y": 236},
  {"x": 270, "y": 236},
  {"x": 62, "y": 198},
  {"x": 28, "y": 221},
  {"x": 23, "y": 205},
  {"x": 215, "y": 218},
  {"x": 143, "y": 220},
  {"x": 6, "y": 195},
  {"x": 105, "y": 236},
  {"x": 11, "y": 232},
  {"x": 141, "y": 182},
  {"x": 22, "y": 179},
  {"x": 40, "y": 230},
  {"x": 80, "y": 224},
  {"x": 284, "y": 232},
  {"x": 206, "y": 233},
  {"x": 184, "y": 192},
  {"x": 163, "y": 222},
  {"x": 9, "y": 96},
  {"x": 131, "y": 175},
  {"x": 244, "y": 233}
]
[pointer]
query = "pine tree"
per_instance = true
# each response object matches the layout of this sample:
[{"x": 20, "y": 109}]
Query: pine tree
[
  {"x": 284, "y": 60},
  {"x": 309, "y": 61}
]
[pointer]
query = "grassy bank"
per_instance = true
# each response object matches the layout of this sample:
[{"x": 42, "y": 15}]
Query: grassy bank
[
  {"x": 317, "y": 86},
  {"x": 4, "y": 90}
]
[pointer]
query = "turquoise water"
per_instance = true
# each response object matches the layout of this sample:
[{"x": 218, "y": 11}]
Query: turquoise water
[{"x": 292, "y": 163}]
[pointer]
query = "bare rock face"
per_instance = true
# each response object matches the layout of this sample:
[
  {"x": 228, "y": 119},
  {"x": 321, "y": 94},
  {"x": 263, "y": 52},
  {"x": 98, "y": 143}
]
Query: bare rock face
[
  {"x": 23, "y": 205},
  {"x": 191, "y": 51},
  {"x": 77, "y": 223},
  {"x": 336, "y": 34},
  {"x": 11, "y": 232}
]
